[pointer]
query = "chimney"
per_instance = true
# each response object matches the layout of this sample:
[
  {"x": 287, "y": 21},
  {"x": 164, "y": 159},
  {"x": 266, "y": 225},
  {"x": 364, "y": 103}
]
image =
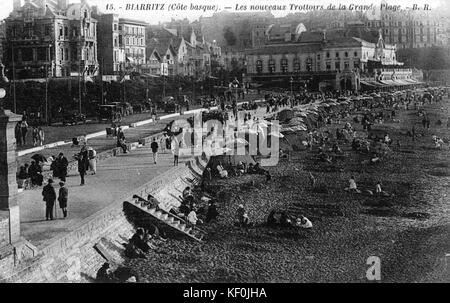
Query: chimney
[{"x": 17, "y": 4}]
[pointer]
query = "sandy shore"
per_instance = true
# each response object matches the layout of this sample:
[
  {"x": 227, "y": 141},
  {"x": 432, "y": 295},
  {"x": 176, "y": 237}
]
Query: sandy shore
[{"x": 408, "y": 231}]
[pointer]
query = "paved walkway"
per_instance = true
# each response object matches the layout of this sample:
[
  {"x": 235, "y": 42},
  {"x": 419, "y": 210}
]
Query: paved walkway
[{"x": 115, "y": 176}]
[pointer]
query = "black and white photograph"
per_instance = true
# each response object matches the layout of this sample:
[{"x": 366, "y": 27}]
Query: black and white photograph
[{"x": 209, "y": 143}]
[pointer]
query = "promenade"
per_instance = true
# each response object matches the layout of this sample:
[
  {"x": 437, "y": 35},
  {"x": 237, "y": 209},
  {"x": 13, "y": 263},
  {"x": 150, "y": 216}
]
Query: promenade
[{"x": 115, "y": 177}]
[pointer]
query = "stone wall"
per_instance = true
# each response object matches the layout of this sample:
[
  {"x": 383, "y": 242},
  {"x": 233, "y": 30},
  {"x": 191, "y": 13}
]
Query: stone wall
[
  {"x": 72, "y": 257},
  {"x": 4, "y": 228}
]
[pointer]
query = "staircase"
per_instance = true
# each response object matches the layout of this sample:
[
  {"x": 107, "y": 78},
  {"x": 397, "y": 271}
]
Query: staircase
[{"x": 176, "y": 223}]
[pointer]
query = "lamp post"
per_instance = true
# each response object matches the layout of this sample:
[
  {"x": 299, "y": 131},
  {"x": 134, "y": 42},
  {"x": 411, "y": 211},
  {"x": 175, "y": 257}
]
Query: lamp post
[
  {"x": 47, "y": 120},
  {"x": 14, "y": 76}
]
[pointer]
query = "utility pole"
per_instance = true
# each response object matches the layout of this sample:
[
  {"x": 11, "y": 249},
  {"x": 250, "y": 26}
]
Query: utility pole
[
  {"x": 47, "y": 120},
  {"x": 101, "y": 80}
]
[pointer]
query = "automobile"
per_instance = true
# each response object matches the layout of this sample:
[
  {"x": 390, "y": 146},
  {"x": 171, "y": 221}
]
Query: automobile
[
  {"x": 139, "y": 108},
  {"x": 73, "y": 117},
  {"x": 68, "y": 117},
  {"x": 127, "y": 108},
  {"x": 109, "y": 112},
  {"x": 119, "y": 107}
]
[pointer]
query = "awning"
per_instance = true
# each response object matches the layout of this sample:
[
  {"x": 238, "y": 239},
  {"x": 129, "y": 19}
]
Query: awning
[
  {"x": 366, "y": 83},
  {"x": 149, "y": 76},
  {"x": 389, "y": 82}
]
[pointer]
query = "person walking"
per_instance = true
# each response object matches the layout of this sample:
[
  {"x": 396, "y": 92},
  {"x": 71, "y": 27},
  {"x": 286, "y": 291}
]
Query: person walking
[
  {"x": 61, "y": 164},
  {"x": 18, "y": 134},
  {"x": 82, "y": 167},
  {"x": 41, "y": 136},
  {"x": 162, "y": 143},
  {"x": 176, "y": 152},
  {"x": 154, "y": 146},
  {"x": 92, "y": 155},
  {"x": 49, "y": 194},
  {"x": 24, "y": 130},
  {"x": 63, "y": 197},
  {"x": 35, "y": 135}
]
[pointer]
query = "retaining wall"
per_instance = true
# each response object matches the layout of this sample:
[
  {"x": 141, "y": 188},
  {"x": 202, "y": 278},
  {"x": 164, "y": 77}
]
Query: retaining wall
[{"x": 72, "y": 257}]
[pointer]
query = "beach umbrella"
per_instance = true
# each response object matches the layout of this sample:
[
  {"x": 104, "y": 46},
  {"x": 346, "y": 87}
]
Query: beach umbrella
[
  {"x": 301, "y": 114},
  {"x": 296, "y": 121}
]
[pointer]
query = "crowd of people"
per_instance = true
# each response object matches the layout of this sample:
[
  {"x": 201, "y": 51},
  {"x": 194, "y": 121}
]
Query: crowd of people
[{"x": 21, "y": 132}]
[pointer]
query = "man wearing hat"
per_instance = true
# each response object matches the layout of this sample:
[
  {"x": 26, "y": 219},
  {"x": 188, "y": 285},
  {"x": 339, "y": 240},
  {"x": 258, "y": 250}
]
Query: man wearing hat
[
  {"x": 49, "y": 194},
  {"x": 63, "y": 197}
]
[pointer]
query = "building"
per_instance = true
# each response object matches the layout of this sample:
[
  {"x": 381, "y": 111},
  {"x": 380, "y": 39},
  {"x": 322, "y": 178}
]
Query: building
[
  {"x": 111, "y": 56},
  {"x": 2, "y": 38},
  {"x": 192, "y": 53},
  {"x": 50, "y": 38},
  {"x": 411, "y": 28},
  {"x": 161, "y": 58},
  {"x": 132, "y": 40},
  {"x": 320, "y": 60}
]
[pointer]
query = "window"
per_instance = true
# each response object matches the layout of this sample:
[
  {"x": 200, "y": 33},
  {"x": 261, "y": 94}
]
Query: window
[
  {"x": 61, "y": 31},
  {"x": 318, "y": 56},
  {"x": 355, "y": 54},
  {"x": 309, "y": 65},
  {"x": 115, "y": 27},
  {"x": 346, "y": 65},
  {"x": 42, "y": 54},
  {"x": 47, "y": 30},
  {"x": 346, "y": 54},
  {"x": 120, "y": 27},
  {"x": 259, "y": 66},
  {"x": 337, "y": 54},
  {"x": 296, "y": 65},
  {"x": 115, "y": 42},
  {"x": 66, "y": 31},
  {"x": 284, "y": 66},
  {"x": 328, "y": 66},
  {"x": 337, "y": 65},
  {"x": 271, "y": 66},
  {"x": 328, "y": 54}
]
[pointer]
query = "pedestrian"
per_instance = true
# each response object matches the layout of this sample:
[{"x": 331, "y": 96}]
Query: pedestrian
[
  {"x": 63, "y": 196},
  {"x": 49, "y": 194},
  {"x": 18, "y": 134},
  {"x": 162, "y": 143},
  {"x": 41, "y": 136},
  {"x": 176, "y": 152},
  {"x": 121, "y": 143},
  {"x": 92, "y": 158},
  {"x": 61, "y": 164},
  {"x": 154, "y": 146},
  {"x": 154, "y": 115},
  {"x": 35, "y": 135},
  {"x": 81, "y": 167},
  {"x": 23, "y": 131}
]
